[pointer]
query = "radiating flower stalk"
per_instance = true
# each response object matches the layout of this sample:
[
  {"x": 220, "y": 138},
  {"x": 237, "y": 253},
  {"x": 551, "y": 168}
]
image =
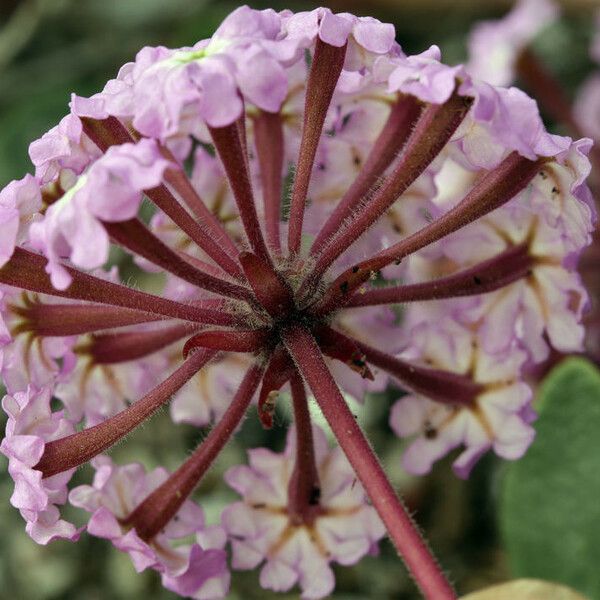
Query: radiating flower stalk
[
  {"x": 413, "y": 185},
  {"x": 503, "y": 52}
]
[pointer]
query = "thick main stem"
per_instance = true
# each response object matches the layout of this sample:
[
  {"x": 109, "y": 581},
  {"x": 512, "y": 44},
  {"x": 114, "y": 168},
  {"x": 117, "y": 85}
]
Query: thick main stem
[
  {"x": 494, "y": 189},
  {"x": 25, "y": 270},
  {"x": 403, "y": 116},
  {"x": 268, "y": 134},
  {"x": 77, "y": 449},
  {"x": 231, "y": 149},
  {"x": 153, "y": 514},
  {"x": 402, "y": 530},
  {"x": 327, "y": 64},
  {"x": 304, "y": 489}
]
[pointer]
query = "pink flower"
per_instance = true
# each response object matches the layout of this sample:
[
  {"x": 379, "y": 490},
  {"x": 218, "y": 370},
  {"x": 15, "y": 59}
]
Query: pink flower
[
  {"x": 423, "y": 76},
  {"x": 344, "y": 528},
  {"x": 63, "y": 148},
  {"x": 496, "y": 416},
  {"x": 110, "y": 190},
  {"x": 503, "y": 120},
  {"x": 31, "y": 424},
  {"x": 19, "y": 201},
  {"x": 326, "y": 212},
  {"x": 361, "y": 33},
  {"x": 494, "y": 46},
  {"x": 197, "y": 570}
]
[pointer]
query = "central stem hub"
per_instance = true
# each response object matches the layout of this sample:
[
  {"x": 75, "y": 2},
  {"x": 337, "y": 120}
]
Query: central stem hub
[{"x": 272, "y": 291}]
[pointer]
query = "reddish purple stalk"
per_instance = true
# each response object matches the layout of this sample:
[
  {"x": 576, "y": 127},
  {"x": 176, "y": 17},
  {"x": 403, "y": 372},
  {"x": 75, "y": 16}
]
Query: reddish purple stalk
[
  {"x": 231, "y": 148},
  {"x": 401, "y": 528},
  {"x": 242, "y": 340},
  {"x": 197, "y": 231},
  {"x": 74, "y": 319},
  {"x": 112, "y": 348},
  {"x": 488, "y": 276},
  {"x": 336, "y": 345},
  {"x": 272, "y": 291},
  {"x": 25, "y": 270},
  {"x": 278, "y": 372},
  {"x": 179, "y": 182},
  {"x": 494, "y": 189},
  {"x": 304, "y": 489},
  {"x": 109, "y": 132},
  {"x": 440, "y": 386},
  {"x": 268, "y": 134},
  {"x": 324, "y": 73},
  {"x": 396, "y": 131},
  {"x": 77, "y": 449},
  {"x": 149, "y": 517},
  {"x": 433, "y": 129},
  {"x": 138, "y": 239}
]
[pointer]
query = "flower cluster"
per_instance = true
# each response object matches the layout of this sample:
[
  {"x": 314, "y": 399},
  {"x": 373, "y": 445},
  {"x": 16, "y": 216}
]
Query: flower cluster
[
  {"x": 504, "y": 51},
  {"x": 415, "y": 187}
]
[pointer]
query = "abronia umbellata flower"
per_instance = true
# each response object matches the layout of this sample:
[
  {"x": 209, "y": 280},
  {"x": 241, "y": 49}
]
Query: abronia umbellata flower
[{"x": 413, "y": 183}]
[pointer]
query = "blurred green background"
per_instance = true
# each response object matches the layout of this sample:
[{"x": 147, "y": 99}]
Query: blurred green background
[{"x": 50, "y": 48}]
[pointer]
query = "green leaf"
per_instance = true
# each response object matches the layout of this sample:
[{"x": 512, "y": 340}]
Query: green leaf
[
  {"x": 525, "y": 589},
  {"x": 550, "y": 507}
]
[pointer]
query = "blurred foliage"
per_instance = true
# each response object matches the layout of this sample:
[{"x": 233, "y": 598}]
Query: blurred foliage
[
  {"x": 525, "y": 589},
  {"x": 51, "y": 48},
  {"x": 550, "y": 512}
]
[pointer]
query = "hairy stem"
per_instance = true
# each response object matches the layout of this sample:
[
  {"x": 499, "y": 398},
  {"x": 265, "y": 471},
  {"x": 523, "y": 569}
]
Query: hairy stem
[
  {"x": 198, "y": 232},
  {"x": 153, "y": 514},
  {"x": 440, "y": 386},
  {"x": 272, "y": 291},
  {"x": 494, "y": 189},
  {"x": 25, "y": 270},
  {"x": 112, "y": 348},
  {"x": 278, "y": 372},
  {"x": 490, "y": 275},
  {"x": 324, "y": 73},
  {"x": 77, "y": 449},
  {"x": 304, "y": 489},
  {"x": 241, "y": 340},
  {"x": 53, "y": 320},
  {"x": 231, "y": 149},
  {"x": 434, "y": 128},
  {"x": 137, "y": 238},
  {"x": 179, "y": 181},
  {"x": 396, "y": 131},
  {"x": 268, "y": 132},
  {"x": 401, "y": 528},
  {"x": 110, "y": 132}
]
